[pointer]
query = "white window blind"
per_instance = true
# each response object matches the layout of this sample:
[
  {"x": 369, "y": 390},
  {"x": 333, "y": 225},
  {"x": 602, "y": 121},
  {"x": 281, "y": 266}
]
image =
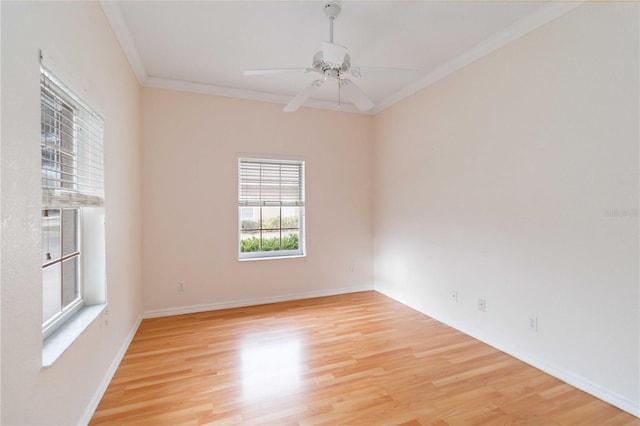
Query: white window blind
[
  {"x": 271, "y": 183},
  {"x": 71, "y": 144}
]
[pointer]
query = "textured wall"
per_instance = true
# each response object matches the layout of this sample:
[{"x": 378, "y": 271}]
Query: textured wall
[{"x": 88, "y": 58}]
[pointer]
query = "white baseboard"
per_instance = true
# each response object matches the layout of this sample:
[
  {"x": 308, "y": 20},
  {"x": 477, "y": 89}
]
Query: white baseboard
[
  {"x": 155, "y": 313},
  {"x": 600, "y": 392},
  {"x": 582, "y": 383},
  {"x": 97, "y": 396}
]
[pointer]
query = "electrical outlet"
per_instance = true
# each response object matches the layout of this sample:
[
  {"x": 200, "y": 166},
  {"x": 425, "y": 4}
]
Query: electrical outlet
[
  {"x": 533, "y": 323},
  {"x": 482, "y": 305},
  {"x": 180, "y": 286},
  {"x": 454, "y": 296}
]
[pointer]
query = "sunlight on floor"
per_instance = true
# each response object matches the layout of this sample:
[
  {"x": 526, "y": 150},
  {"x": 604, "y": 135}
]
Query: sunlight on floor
[{"x": 270, "y": 368}]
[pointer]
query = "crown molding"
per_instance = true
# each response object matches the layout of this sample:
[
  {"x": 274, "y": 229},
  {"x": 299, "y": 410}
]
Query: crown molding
[
  {"x": 113, "y": 13},
  {"x": 515, "y": 31}
]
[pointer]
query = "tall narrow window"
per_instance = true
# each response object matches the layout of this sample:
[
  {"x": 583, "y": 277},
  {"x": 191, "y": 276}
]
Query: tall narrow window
[
  {"x": 72, "y": 182},
  {"x": 270, "y": 208}
]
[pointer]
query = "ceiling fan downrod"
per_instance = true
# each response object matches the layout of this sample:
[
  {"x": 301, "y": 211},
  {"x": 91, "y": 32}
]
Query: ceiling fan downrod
[{"x": 332, "y": 11}]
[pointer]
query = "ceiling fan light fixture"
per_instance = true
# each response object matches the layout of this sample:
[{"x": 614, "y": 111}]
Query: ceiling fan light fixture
[{"x": 331, "y": 73}]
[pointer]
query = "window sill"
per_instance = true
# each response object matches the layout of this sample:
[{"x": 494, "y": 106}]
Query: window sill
[
  {"x": 250, "y": 259},
  {"x": 55, "y": 345}
]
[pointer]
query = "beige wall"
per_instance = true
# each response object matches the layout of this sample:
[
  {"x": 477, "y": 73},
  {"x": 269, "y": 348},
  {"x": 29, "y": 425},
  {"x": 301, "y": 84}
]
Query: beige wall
[
  {"x": 190, "y": 219},
  {"x": 502, "y": 181},
  {"x": 81, "y": 49}
]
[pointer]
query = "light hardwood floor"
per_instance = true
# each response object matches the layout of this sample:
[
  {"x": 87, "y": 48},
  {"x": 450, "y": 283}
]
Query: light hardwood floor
[{"x": 360, "y": 359}]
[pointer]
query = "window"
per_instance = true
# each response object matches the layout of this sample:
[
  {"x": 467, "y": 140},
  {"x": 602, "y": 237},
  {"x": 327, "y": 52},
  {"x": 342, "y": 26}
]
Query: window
[
  {"x": 270, "y": 208},
  {"x": 60, "y": 262},
  {"x": 72, "y": 189}
]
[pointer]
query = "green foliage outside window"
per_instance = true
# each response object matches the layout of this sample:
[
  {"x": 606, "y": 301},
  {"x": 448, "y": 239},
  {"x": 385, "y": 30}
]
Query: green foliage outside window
[{"x": 288, "y": 242}]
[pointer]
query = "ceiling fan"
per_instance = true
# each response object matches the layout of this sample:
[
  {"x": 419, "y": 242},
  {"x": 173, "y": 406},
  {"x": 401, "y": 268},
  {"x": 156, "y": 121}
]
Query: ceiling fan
[{"x": 332, "y": 63}]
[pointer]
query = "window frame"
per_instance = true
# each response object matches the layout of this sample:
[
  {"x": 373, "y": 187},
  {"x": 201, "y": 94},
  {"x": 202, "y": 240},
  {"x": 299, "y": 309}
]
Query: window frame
[{"x": 272, "y": 254}]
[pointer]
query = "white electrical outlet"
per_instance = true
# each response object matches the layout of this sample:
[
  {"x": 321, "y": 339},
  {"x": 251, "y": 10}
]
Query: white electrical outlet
[
  {"x": 180, "y": 286},
  {"x": 454, "y": 296},
  {"x": 533, "y": 323},
  {"x": 482, "y": 305}
]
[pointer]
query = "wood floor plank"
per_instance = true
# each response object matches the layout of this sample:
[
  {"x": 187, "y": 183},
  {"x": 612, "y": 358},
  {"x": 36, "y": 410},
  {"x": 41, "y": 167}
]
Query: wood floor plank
[{"x": 359, "y": 358}]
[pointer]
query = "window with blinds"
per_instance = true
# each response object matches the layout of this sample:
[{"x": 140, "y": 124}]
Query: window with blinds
[
  {"x": 270, "y": 208},
  {"x": 71, "y": 145},
  {"x": 72, "y": 184}
]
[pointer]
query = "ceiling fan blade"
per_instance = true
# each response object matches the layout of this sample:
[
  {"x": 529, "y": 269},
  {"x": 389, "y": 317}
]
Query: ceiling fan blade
[
  {"x": 357, "y": 96},
  {"x": 333, "y": 53},
  {"x": 274, "y": 71},
  {"x": 409, "y": 72},
  {"x": 302, "y": 97}
]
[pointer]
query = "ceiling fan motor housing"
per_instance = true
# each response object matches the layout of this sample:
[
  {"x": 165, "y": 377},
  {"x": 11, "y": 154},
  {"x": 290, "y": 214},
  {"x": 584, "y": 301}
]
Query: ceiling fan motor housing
[{"x": 328, "y": 69}]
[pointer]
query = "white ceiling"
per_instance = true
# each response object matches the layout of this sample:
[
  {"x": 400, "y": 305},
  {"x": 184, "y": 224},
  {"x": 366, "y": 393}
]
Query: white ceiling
[{"x": 204, "y": 46}]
